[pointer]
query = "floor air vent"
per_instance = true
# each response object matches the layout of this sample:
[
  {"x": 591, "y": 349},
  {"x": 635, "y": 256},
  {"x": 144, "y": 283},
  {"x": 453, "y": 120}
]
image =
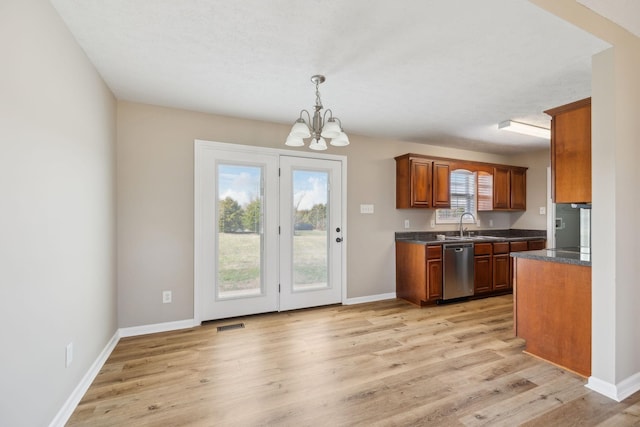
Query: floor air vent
[{"x": 230, "y": 327}]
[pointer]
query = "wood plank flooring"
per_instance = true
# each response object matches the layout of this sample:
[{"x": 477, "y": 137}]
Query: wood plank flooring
[{"x": 378, "y": 364}]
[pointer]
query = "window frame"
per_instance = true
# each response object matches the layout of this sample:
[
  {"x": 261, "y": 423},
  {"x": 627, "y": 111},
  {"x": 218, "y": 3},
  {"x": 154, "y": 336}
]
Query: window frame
[{"x": 452, "y": 215}]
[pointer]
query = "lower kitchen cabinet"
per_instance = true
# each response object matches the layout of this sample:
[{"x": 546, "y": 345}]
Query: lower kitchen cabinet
[
  {"x": 434, "y": 273},
  {"x": 501, "y": 270},
  {"x": 501, "y": 267},
  {"x": 552, "y": 307},
  {"x": 419, "y": 269},
  {"x": 536, "y": 244},
  {"x": 418, "y": 272},
  {"x": 482, "y": 268}
]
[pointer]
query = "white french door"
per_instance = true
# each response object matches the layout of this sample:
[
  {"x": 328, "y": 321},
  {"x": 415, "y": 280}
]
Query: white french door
[
  {"x": 236, "y": 246},
  {"x": 311, "y": 232},
  {"x": 268, "y": 231}
]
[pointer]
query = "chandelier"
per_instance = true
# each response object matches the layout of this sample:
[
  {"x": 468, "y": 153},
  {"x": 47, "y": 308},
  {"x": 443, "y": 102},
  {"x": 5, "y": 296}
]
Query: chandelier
[{"x": 318, "y": 128}]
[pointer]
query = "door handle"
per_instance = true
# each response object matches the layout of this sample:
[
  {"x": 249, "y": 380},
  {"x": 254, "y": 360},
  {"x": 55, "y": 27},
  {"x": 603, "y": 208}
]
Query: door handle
[{"x": 338, "y": 239}]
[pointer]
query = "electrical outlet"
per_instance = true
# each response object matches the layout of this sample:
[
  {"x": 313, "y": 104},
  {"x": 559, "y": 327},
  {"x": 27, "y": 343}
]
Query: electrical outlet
[
  {"x": 478, "y": 223},
  {"x": 490, "y": 223},
  {"x": 166, "y": 297},
  {"x": 68, "y": 355},
  {"x": 406, "y": 223},
  {"x": 433, "y": 223},
  {"x": 543, "y": 210}
]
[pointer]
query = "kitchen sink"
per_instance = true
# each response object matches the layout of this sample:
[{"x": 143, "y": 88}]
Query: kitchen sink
[
  {"x": 474, "y": 238},
  {"x": 486, "y": 238}
]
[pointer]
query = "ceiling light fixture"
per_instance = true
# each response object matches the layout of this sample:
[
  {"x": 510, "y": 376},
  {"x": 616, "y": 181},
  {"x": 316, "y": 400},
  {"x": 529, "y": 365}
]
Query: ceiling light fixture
[
  {"x": 525, "y": 129},
  {"x": 318, "y": 128}
]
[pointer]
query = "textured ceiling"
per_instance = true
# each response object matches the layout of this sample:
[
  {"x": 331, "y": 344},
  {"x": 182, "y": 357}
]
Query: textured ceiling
[{"x": 442, "y": 72}]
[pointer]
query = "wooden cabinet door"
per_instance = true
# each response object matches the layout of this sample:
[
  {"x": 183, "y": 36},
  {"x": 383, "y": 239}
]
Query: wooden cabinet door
[
  {"x": 501, "y": 270},
  {"x": 482, "y": 274},
  {"x": 516, "y": 247},
  {"x": 420, "y": 183},
  {"x": 434, "y": 279},
  {"x": 441, "y": 188},
  {"x": 501, "y": 188},
  {"x": 518, "y": 183},
  {"x": 411, "y": 279},
  {"x": 571, "y": 152}
]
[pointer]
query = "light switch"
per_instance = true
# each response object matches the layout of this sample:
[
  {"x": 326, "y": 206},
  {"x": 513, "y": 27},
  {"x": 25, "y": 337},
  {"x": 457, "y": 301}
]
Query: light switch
[
  {"x": 366, "y": 209},
  {"x": 543, "y": 210}
]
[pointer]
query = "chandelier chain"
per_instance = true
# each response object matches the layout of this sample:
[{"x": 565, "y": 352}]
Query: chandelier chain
[{"x": 318, "y": 100}]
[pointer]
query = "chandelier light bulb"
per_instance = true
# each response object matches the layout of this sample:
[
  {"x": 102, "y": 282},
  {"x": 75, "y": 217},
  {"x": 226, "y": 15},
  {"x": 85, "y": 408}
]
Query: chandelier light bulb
[
  {"x": 318, "y": 144},
  {"x": 294, "y": 141}
]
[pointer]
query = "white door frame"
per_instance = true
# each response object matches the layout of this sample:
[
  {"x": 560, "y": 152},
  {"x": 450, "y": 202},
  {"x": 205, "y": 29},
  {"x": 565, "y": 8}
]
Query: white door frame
[{"x": 203, "y": 145}]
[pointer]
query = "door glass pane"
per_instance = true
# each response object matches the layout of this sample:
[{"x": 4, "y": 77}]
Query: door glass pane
[
  {"x": 240, "y": 231},
  {"x": 310, "y": 233}
]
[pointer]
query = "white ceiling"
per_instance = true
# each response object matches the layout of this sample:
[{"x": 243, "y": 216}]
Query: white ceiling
[{"x": 442, "y": 72}]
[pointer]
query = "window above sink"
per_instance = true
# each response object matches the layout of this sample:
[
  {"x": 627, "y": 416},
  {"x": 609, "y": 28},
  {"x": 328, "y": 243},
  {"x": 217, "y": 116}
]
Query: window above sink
[{"x": 463, "y": 197}]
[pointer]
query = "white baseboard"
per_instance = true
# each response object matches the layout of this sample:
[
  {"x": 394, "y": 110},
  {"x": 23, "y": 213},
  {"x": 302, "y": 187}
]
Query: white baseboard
[
  {"x": 370, "y": 298},
  {"x": 70, "y": 405},
  {"x": 617, "y": 392},
  {"x": 157, "y": 327}
]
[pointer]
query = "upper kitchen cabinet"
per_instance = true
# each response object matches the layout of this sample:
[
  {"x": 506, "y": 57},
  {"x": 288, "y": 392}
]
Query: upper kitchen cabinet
[
  {"x": 421, "y": 182},
  {"x": 571, "y": 152},
  {"x": 509, "y": 188},
  {"x": 425, "y": 182}
]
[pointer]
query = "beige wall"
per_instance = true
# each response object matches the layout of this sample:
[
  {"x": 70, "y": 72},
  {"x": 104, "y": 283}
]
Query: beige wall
[
  {"x": 57, "y": 228},
  {"x": 615, "y": 269},
  {"x": 155, "y": 205},
  {"x": 537, "y": 162}
]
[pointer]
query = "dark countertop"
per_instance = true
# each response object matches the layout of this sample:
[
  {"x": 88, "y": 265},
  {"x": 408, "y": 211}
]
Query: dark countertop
[
  {"x": 481, "y": 236},
  {"x": 561, "y": 255}
]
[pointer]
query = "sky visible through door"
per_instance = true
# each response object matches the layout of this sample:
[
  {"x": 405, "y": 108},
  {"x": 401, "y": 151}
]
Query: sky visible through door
[{"x": 240, "y": 233}]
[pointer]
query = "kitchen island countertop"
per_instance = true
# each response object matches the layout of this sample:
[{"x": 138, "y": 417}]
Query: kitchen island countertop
[{"x": 560, "y": 255}]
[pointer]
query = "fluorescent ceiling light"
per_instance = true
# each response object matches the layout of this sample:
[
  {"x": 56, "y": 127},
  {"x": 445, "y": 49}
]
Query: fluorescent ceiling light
[{"x": 525, "y": 129}]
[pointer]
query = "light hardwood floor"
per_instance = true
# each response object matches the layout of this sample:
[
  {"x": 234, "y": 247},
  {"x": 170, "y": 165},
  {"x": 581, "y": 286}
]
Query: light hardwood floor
[{"x": 386, "y": 363}]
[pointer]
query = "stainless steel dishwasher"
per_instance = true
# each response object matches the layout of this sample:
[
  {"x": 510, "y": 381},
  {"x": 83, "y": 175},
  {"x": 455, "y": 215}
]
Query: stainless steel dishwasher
[{"x": 458, "y": 271}]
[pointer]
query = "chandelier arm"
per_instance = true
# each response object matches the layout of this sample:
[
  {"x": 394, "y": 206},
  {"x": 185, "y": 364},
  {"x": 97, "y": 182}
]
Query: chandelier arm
[
  {"x": 339, "y": 122},
  {"x": 308, "y": 121},
  {"x": 324, "y": 116}
]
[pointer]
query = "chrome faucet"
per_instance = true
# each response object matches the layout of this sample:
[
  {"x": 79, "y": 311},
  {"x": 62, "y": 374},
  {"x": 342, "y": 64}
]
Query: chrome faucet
[{"x": 462, "y": 216}]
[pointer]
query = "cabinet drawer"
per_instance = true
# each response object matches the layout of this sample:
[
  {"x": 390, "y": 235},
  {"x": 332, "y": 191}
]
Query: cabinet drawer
[
  {"x": 434, "y": 252},
  {"x": 482, "y": 249},
  {"x": 537, "y": 244},
  {"x": 501, "y": 248},
  {"x": 519, "y": 246}
]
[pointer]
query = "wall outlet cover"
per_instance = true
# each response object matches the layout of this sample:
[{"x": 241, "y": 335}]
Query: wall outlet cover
[{"x": 166, "y": 297}]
